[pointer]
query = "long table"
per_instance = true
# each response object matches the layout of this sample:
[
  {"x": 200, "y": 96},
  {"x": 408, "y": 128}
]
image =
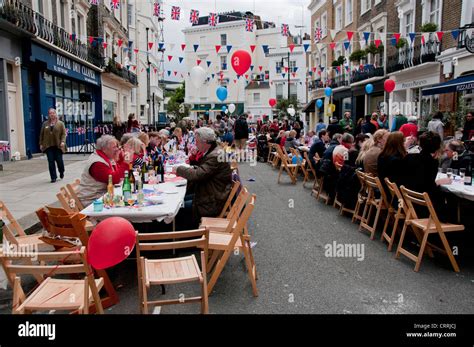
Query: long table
[
  {"x": 173, "y": 200},
  {"x": 458, "y": 188}
]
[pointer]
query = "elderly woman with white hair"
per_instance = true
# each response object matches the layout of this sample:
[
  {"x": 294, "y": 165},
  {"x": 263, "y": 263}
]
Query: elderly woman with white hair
[
  {"x": 108, "y": 159},
  {"x": 410, "y": 128},
  {"x": 210, "y": 179}
]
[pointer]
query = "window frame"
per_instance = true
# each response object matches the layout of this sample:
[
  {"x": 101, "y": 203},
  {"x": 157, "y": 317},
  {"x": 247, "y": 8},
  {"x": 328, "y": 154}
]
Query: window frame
[{"x": 351, "y": 12}]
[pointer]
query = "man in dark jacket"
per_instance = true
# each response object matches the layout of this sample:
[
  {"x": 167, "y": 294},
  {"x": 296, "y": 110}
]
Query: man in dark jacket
[
  {"x": 468, "y": 129},
  {"x": 210, "y": 180},
  {"x": 334, "y": 128},
  {"x": 241, "y": 129},
  {"x": 319, "y": 146},
  {"x": 368, "y": 127}
]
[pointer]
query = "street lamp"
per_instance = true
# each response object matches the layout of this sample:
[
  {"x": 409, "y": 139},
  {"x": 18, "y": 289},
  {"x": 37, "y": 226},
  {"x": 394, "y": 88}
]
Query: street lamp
[
  {"x": 289, "y": 72},
  {"x": 148, "y": 78}
]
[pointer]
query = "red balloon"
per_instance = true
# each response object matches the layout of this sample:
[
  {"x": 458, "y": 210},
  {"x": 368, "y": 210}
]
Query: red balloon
[
  {"x": 272, "y": 102},
  {"x": 389, "y": 85},
  {"x": 241, "y": 61},
  {"x": 111, "y": 242}
]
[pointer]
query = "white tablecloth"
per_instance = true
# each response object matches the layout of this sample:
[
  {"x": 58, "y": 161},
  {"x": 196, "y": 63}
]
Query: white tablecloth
[
  {"x": 166, "y": 211},
  {"x": 458, "y": 188}
]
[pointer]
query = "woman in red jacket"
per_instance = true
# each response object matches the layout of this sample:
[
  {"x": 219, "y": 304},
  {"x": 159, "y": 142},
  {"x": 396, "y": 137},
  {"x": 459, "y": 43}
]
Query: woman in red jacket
[{"x": 410, "y": 128}]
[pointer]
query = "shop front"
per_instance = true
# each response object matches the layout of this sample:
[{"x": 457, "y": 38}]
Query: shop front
[
  {"x": 342, "y": 99},
  {"x": 72, "y": 87},
  {"x": 363, "y": 103}
]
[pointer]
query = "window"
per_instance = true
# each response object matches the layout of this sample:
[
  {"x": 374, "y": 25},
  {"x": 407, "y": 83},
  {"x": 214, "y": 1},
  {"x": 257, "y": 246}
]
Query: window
[
  {"x": 79, "y": 26},
  {"x": 75, "y": 90},
  {"x": 324, "y": 24},
  {"x": 67, "y": 88},
  {"x": 292, "y": 65},
  {"x": 348, "y": 12},
  {"x": 293, "y": 91},
  {"x": 10, "y": 73},
  {"x": 338, "y": 25},
  {"x": 434, "y": 11},
  {"x": 365, "y": 6},
  {"x": 223, "y": 39},
  {"x": 48, "y": 80},
  {"x": 408, "y": 23},
  {"x": 109, "y": 110},
  {"x": 124, "y": 105},
  {"x": 279, "y": 91},
  {"x": 59, "y": 86},
  {"x": 39, "y": 6},
  {"x": 256, "y": 98},
  {"x": 130, "y": 15},
  {"x": 62, "y": 13},
  {"x": 279, "y": 65},
  {"x": 223, "y": 62}
]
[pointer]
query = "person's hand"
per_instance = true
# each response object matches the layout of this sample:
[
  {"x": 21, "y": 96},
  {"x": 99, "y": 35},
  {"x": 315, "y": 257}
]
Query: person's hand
[
  {"x": 62, "y": 145},
  {"x": 41, "y": 148},
  {"x": 443, "y": 181}
]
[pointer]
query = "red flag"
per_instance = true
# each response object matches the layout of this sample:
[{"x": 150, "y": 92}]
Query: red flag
[
  {"x": 170, "y": 57},
  {"x": 440, "y": 35},
  {"x": 119, "y": 42},
  {"x": 260, "y": 68},
  {"x": 183, "y": 46},
  {"x": 294, "y": 74},
  {"x": 175, "y": 72},
  {"x": 134, "y": 67},
  {"x": 377, "y": 43},
  {"x": 286, "y": 69},
  {"x": 136, "y": 50},
  {"x": 252, "y": 48},
  {"x": 349, "y": 35},
  {"x": 218, "y": 48},
  {"x": 155, "y": 69},
  {"x": 314, "y": 69},
  {"x": 199, "y": 61},
  {"x": 150, "y": 45},
  {"x": 91, "y": 39},
  {"x": 332, "y": 45},
  {"x": 105, "y": 45},
  {"x": 397, "y": 36},
  {"x": 292, "y": 47},
  {"x": 235, "y": 81},
  {"x": 246, "y": 76}
]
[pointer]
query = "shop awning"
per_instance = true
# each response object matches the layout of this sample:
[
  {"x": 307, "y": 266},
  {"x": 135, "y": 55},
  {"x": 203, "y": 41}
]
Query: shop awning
[
  {"x": 201, "y": 108},
  {"x": 456, "y": 85},
  {"x": 310, "y": 107}
]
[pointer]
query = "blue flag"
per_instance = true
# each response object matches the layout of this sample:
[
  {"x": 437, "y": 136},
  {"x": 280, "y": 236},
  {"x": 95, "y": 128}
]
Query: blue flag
[
  {"x": 161, "y": 45},
  {"x": 265, "y": 49},
  {"x": 346, "y": 45},
  {"x": 195, "y": 47},
  {"x": 366, "y": 36},
  {"x": 208, "y": 63},
  {"x": 412, "y": 36},
  {"x": 180, "y": 59},
  {"x": 229, "y": 47},
  {"x": 306, "y": 46},
  {"x": 455, "y": 34}
]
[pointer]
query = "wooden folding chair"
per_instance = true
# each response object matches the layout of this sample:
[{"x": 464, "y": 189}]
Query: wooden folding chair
[
  {"x": 396, "y": 215},
  {"x": 318, "y": 186},
  {"x": 277, "y": 155},
  {"x": 425, "y": 226},
  {"x": 173, "y": 270},
  {"x": 271, "y": 152},
  {"x": 340, "y": 206},
  {"x": 230, "y": 199},
  {"x": 310, "y": 168},
  {"x": 361, "y": 197},
  {"x": 224, "y": 244},
  {"x": 373, "y": 186},
  {"x": 64, "y": 228},
  {"x": 301, "y": 162},
  {"x": 57, "y": 294},
  {"x": 285, "y": 164},
  {"x": 72, "y": 189}
]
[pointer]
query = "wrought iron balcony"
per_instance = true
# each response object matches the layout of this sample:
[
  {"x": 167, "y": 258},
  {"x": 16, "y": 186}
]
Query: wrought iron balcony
[
  {"x": 315, "y": 84},
  {"x": 413, "y": 55},
  {"x": 463, "y": 35},
  {"x": 367, "y": 72},
  {"x": 339, "y": 81},
  {"x": 118, "y": 70},
  {"x": 23, "y": 17}
]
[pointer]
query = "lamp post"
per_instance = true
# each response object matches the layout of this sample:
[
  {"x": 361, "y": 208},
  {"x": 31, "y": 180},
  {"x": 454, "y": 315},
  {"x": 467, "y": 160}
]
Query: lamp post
[
  {"x": 148, "y": 78},
  {"x": 289, "y": 72}
]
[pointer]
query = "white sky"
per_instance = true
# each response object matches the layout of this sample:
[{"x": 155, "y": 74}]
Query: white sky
[{"x": 292, "y": 12}]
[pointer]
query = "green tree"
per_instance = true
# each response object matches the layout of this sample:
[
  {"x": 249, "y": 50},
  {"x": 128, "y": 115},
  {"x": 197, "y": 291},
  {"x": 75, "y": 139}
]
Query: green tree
[
  {"x": 176, "y": 106},
  {"x": 282, "y": 106}
]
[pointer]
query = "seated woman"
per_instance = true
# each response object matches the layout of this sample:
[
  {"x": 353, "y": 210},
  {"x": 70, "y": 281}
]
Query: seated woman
[
  {"x": 390, "y": 161},
  {"x": 137, "y": 148},
  {"x": 108, "y": 159},
  {"x": 370, "y": 157},
  {"x": 291, "y": 141}
]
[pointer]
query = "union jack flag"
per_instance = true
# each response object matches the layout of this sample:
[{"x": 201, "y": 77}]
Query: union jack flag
[
  {"x": 318, "y": 34},
  {"x": 94, "y": 2},
  {"x": 249, "y": 24},
  {"x": 175, "y": 12},
  {"x": 285, "y": 30},
  {"x": 115, "y": 4},
  {"x": 194, "y": 17},
  {"x": 156, "y": 9},
  {"x": 212, "y": 19}
]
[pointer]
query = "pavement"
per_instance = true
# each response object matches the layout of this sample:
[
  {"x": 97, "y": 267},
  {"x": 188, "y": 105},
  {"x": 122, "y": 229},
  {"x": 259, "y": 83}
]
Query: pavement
[{"x": 297, "y": 274}]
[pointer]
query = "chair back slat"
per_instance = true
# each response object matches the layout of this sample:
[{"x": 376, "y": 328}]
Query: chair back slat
[
  {"x": 230, "y": 198},
  {"x": 15, "y": 227},
  {"x": 72, "y": 189},
  {"x": 162, "y": 246}
]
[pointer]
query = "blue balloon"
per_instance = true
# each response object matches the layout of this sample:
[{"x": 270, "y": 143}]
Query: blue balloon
[
  {"x": 221, "y": 93},
  {"x": 328, "y": 91},
  {"x": 224, "y": 108},
  {"x": 369, "y": 88},
  {"x": 319, "y": 103}
]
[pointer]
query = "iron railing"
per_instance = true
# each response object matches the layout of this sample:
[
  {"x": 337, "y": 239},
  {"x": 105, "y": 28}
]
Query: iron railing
[
  {"x": 410, "y": 56},
  {"x": 118, "y": 70},
  {"x": 367, "y": 72},
  {"x": 23, "y": 17}
]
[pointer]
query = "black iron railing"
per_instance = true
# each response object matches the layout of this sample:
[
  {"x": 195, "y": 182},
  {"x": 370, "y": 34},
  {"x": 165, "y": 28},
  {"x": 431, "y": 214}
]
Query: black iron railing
[
  {"x": 118, "y": 70},
  {"x": 413, "y": 55},
  {"x": 339, "y": 81},
  {"x": 23, "y": 17},
  {"x": 367, "y": 72}
]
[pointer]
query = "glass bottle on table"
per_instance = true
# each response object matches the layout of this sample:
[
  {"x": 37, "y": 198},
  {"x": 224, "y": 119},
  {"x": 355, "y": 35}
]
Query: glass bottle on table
[
  {"x": 131, "y": 178},
  {"x": 110, "y": 192},
  {"x": 140, "y": 195},
  {"x": 144, "y": 173},
  {"x": 162, "y": 170},
  {"x": 468, "y": 175},
  {"x": 126, "y": 188}
]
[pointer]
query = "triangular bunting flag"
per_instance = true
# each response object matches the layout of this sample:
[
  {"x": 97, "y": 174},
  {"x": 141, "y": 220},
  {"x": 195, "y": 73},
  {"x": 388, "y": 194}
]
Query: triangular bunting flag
[
  {"x": 91, "y": 39},
  {"x": 246, "y": 76},
  {"x": 394, "y": 41},
  {"x": 252, "y": 48},
  {"x": 251, "y": 67},
  {"x": 150, "y": 45},
  {"x": 455, "y": 34},
  {"x": 412, "y": 36},
  {"x": 439, "y": 34},
  {"x": 229, "y": 47},
  {"x": 283, "y": 74},
  {"x": 218, "y": 48},
  {"x": 208, "y": 63},
  {"x": 170, "y": 57},
  {"x": 349, "y": 35},
  {"x": 175, "y": 73},
  {"x": 119, "y": 42},
  {"x": 366, "y": 37},
  {"x": 377, "y": 43},
  {"x": 332, "y": 45},
  {"x": 183, "y": 46},
  {"x": 424, "y": 37},
  {"x": 291, "y": 47},
  {"x": 235, "y": 81},
  {"x": 172, "y": 46},
  {"x": 306, "y": 46},
  {"x": 136, "y": 50},
  {"x": 346, "y": 45},
  {"x": 105, "y": 45},
  {"x": 161, "y": 45},
  {"x": 260, "y": 68},
  {"x": 180, "y": 59},
  {"x": 198, "y": 61},
  {"x": 195, "y": 47},
  {"x": 212, "y": 75},
  {"x": 332, "y": 33},
  {"x": 265, "y": 49},
  {"x": 293, "y": 74},
  {"x": 382, "y": 36},
  {"x": 286, "y": 68},
  {"x": 397, "y": 37},
  {"x": 168, "y": 72},
  {"x": 314, "y": 69}
]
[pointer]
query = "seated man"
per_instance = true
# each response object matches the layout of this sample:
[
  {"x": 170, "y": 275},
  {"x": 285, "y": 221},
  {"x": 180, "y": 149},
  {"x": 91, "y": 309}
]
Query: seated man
[
  {"x": 318, "y": 146},
  {"x": 108, "y": 159},
  {"x": 210, "y": 179}
]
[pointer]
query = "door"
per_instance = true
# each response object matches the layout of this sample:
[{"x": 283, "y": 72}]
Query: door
[
  {"x": 32, "y": 118},
  {"x": 13, "y": 115}
]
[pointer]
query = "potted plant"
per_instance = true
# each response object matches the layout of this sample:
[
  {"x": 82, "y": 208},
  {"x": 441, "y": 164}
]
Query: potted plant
[
  {"x": 429, "y": 28},
  {"x": 373, "y": 49},
  {"x": 358, "y": 55},
  {"x": 401, "y": 43},
  {"x": 338, "y": 62}
]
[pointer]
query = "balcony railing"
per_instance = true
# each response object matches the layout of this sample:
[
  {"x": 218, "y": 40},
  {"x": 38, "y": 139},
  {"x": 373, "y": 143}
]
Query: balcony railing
[
  {"x": 413, "y": 55},
  {"x": 367, "y": 72},
  {"x": 315, "y": 85},
  {"x": 463, "y": 34},
  {"x": 339, "y": 81},
  {"x": 25, "y": 18},
  {"x": 118, "y": 70}
]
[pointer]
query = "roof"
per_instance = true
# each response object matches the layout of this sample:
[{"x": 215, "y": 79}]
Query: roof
[{"x": 258, "y": 85}]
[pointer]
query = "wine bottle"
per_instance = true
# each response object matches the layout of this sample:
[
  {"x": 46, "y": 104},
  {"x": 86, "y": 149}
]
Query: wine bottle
[
  {"x": 131, "y": 178},
  {"x": 110, "y": 192},
  {"x": 126, "y": 188}
]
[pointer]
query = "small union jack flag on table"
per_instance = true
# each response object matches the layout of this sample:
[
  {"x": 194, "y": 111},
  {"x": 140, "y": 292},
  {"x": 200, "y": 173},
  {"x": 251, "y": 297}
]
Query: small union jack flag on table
[
  {"x": 175, "y": 12},
  {"x": 285, "y": 30},
  {"x": 318, "y": 34},
  {"x": 115, "y": 4},
  {"x": 194, "y": 17},
  {"x": 156, "y": 9},
  {"x": 249, "y": 24},
  {"x": 212, "y": 19}
]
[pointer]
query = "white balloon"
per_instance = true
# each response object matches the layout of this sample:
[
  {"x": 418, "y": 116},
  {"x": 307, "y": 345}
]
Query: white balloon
[
  {"x": 291, "y": 111},
  {"x": 198, "y": 76},
  {"x": 231, "y": 108}
]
